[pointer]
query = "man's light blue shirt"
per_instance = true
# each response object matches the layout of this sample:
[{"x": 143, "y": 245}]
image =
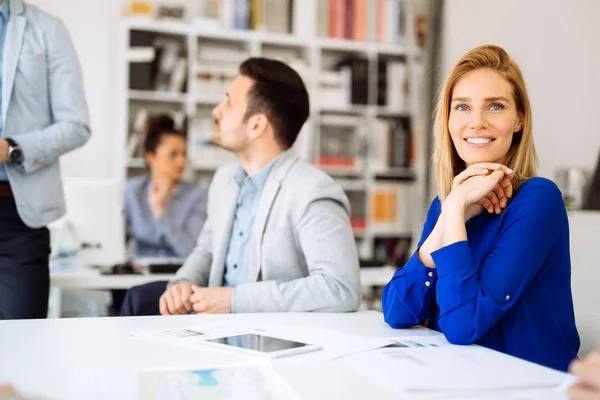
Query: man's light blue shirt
[
  {"x": 4, "y": 17},
  {"x": 239, "y": 250}
]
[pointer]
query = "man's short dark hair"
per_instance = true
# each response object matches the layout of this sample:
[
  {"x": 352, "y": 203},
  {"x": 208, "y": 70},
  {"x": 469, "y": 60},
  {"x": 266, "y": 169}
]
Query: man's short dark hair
[{"x": 279, "y": 93}]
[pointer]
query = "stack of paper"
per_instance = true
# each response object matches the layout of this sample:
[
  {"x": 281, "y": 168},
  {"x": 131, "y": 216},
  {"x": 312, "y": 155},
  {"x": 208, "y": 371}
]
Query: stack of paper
[{"x": 429, "y": 364}]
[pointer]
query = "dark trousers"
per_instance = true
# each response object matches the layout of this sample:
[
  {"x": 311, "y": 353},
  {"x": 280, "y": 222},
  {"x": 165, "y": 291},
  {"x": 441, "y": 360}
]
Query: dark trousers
[
  {"x": 24, "y": 271},
  {"x": 143, "y": 299}
]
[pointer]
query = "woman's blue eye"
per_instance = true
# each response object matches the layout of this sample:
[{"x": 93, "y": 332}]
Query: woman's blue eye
[
  {"x": 461, "y": 107},
  {"x": 497, "y": 107}
]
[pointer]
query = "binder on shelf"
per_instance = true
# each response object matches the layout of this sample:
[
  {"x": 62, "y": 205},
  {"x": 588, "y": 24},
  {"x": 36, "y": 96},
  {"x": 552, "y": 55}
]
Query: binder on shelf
[
  {"x": 337, "y": 18},
  {"x": 141, "y": 56},
  {"x": 178, "y": 76},
  {"x": 358, "y": 210},
  {"x": 303, "y": 18},
  {"x": 359, "y": 78},
  {"x": 323, "y": 18},
  {"x": 241, "y": 14},
  {"x": 396, "y": 85},
  {"x": 339, "y": 143},
  {"x": 169, "y": 54},
  {"x": 256, "y": 16},
  {"x": 277, "y": 16},
  {"x": 390, "y": 208},
  {"x": 400, "y": 143}
]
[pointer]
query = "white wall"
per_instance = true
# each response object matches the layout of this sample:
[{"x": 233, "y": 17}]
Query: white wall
[
  {"x": 94, "y": 27},
  {"x": 555, "y": 42}
]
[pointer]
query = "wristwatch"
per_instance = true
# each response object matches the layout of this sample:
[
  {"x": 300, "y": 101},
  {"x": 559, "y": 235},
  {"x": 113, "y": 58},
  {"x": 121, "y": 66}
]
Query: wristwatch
[{"x": 15, "y": 154}]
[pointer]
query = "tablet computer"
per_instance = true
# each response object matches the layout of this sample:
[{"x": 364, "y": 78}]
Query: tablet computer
[{"x": 257, "y": 344}]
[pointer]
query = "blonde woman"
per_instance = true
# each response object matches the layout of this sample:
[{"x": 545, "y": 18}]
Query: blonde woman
[{"x": 493, "y": 264}]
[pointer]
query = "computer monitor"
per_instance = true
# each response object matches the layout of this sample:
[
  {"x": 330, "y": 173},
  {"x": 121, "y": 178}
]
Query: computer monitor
[{"x": 94, "y": 220}]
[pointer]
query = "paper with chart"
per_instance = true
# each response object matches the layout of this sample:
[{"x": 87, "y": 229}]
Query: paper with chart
[
  {"x": 432, "y": 364},
  {"x": 334, "y": 344},
  {"x": 214, "y": 384},
  {"x": 223, "y": 383}
]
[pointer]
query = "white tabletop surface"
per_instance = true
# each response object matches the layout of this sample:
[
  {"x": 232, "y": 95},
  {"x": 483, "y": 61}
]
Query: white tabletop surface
[{"x": 41, "y": 357}]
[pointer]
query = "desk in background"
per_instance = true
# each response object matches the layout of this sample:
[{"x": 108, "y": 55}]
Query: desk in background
[{"x": 91, "y": 279}]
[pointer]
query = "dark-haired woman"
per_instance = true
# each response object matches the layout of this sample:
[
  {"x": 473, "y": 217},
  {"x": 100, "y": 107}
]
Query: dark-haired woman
[{"x": 164, "y": 215}]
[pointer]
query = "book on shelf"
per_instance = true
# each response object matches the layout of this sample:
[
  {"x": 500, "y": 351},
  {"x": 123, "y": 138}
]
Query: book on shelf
[
  {"x": 137, "y": 136},
  {"x": 303, "y": 17},
  {"x": 207, "y": 15},
  {"x": 178, "y": 76},
  {"x": 259, "y": 15},
  {"x": 339, "y": 146},
  {"x": 355, "y": 76},
  {"x": 390, "y": 144},
  {"x": 401, "y": 152},
  {"x": 169, "y": 54},
  {"x": 241, "y": 14},
  {"x": 172, "y": 10},
  {"x": 358, "y": 210},
  {"x": 277, "y": 15},
  {"x": 133, "y": 145},
  {"x": 390, "y": 250},
  {"x": 333, "y": 88},
  {"x": 141, "y": 56},
  {"x": 323, "y": 18},
  {"x": 362, "y": 20},
  {"x": 389, "y": 207},
  {"x": 156, "y": 63},
  {"x": 392, "y": 85},
  {"x": 139, "y": 8},
  {"x": 256, "y": 13}
]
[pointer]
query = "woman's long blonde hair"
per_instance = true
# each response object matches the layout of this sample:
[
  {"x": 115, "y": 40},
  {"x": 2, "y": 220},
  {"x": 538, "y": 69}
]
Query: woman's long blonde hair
[{"x": 521, "y": 157}]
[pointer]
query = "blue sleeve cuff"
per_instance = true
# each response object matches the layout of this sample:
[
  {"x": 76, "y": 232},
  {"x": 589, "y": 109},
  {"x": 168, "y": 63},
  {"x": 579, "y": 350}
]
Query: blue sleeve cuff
[
  {"x": 454, "y": 258},
  {"x": 408, "y": 298},
  {"x": 418, "y": 272},
  {"x": 233, "y": 305}
]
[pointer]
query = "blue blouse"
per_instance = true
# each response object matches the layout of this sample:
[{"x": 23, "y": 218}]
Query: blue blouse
[
  {"x": 175, "y": 233},
  {"x": 507, "y": 288}
]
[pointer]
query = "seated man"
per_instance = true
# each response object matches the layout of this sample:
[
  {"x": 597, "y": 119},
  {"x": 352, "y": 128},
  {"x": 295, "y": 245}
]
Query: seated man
[{"x": 278, "y": 235}]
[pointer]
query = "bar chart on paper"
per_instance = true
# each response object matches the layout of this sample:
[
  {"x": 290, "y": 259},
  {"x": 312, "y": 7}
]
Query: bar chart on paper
[{"x": 213, "y": 384}]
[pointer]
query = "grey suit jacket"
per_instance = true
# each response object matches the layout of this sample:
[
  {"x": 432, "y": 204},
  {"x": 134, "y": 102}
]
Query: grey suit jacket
[
  {"x": 304, "y": 255},
  {"x": 43, "y": 108}
]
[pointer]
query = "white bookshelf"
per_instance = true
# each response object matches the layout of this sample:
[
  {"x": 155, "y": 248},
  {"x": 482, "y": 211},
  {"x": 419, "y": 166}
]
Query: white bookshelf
[
  {"x": 163, "y": 97},
  {"x": 317, "y": 53}
]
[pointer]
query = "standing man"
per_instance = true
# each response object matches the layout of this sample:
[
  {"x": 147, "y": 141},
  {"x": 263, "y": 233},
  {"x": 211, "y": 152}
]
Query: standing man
[{"x": 44, "y": 115}]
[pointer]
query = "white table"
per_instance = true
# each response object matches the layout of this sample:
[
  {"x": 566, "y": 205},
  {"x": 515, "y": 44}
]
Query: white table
[{"x": 40, "y": 357}]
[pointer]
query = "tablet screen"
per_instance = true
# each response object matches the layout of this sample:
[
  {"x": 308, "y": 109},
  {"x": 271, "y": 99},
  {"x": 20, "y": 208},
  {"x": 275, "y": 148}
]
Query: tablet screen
[{"x": 252, "y": 341}]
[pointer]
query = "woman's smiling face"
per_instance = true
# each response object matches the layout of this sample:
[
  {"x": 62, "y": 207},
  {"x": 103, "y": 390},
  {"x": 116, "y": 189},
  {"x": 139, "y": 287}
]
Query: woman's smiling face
[{"x": 483, "y": 117}]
